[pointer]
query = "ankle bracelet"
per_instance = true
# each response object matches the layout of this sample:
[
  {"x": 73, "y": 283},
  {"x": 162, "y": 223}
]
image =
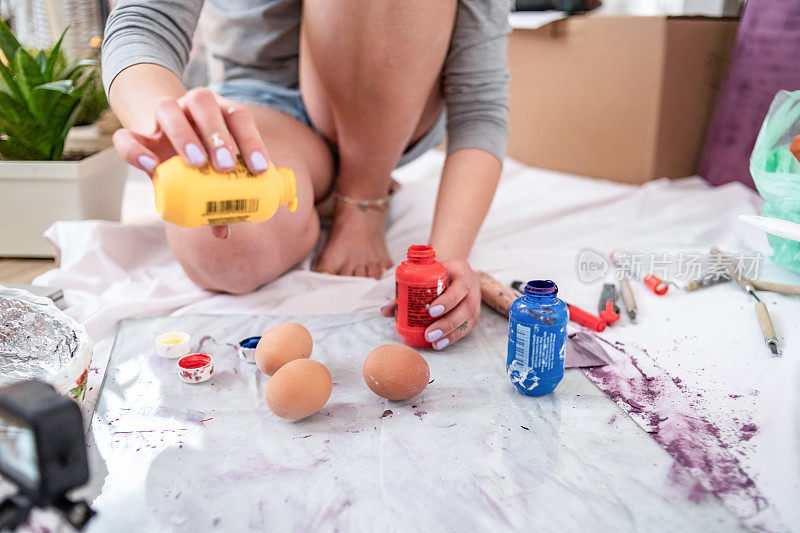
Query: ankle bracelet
[{"x": 363, "y": 205}]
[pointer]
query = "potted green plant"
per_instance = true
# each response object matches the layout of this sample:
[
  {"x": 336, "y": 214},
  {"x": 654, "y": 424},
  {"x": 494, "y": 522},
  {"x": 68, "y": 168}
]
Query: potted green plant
[{"x": 42, "y": 96}]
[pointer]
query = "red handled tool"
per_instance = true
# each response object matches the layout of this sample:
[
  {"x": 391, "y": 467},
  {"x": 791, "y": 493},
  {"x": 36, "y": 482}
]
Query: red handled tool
[
  {"x": 608, "y": 309},
  {"x": 576, "y": 314},
  {"x": 608, "y": 315}
]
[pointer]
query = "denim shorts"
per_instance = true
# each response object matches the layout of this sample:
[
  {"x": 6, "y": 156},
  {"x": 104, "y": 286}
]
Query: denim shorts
[{"x": 289, "y": 101}]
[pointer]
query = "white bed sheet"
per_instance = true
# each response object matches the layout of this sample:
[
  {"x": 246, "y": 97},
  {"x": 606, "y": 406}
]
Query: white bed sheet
[{"x": 537, "y": 226}]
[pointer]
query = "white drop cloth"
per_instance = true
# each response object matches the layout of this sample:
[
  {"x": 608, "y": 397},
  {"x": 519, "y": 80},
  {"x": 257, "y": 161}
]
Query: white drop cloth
[{"x": 539, "y": 222}]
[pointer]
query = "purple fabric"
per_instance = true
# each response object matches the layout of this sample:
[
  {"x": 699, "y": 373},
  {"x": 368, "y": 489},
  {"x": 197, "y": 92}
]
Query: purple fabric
[{"x": 766, "y": 59}]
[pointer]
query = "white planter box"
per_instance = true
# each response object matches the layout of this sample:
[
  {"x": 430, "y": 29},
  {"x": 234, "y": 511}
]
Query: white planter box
[{"x": 35, "y": 194}]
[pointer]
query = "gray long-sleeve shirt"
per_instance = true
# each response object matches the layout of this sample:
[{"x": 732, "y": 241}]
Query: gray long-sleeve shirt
[{"x": 259, "y": 39}]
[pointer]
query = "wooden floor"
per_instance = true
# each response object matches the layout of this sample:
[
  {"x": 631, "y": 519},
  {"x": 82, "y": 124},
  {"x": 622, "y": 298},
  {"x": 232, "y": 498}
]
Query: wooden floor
[{"x": 23, "y": 270}]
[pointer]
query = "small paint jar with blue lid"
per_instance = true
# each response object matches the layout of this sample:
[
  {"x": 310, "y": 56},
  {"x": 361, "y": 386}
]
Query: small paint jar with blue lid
[
  {"x": 537, "y": 339},
  {"x": 247, "y": 349}
]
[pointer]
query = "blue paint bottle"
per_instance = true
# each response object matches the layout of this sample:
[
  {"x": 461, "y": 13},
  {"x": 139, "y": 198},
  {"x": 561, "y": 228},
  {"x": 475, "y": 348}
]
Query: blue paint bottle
[{"x": 537, "y": 339}]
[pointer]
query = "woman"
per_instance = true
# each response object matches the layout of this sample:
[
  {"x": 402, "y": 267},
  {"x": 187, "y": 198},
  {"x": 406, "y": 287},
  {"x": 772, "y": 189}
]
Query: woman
[{"x": 340, "y": 91}]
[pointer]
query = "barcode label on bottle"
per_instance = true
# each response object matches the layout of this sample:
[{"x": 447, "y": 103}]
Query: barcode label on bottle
[
  {"x": 419, "y": 298},
  {"x": 224, "y": 207},
  {"x": 523, "y": 344}
]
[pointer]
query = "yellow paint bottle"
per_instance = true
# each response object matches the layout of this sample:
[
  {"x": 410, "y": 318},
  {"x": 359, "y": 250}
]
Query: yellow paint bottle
[{"x": 192, "y": 197}]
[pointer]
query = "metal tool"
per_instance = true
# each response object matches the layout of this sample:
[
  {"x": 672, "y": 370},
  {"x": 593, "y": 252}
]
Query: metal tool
[
  {"x": 607, "y": 308},
  {"x": 764, "y": 320},
  {"x": 583, "y": 351},
  {"x": 628, "y": 299}
]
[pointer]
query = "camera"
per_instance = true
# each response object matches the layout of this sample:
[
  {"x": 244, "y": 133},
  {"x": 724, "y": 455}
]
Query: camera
[{"x": 42, "y": 452}]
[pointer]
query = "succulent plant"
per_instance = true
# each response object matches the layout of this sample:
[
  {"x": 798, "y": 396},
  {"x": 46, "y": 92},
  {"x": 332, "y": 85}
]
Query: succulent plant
[{"x": 42, "y": 95}]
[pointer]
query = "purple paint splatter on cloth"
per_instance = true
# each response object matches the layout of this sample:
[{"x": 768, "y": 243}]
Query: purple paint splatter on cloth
[
  {"x": 656, "y": 401},
  {"x": 203, "y": 341},
  {"x": 386, "y": 413}
]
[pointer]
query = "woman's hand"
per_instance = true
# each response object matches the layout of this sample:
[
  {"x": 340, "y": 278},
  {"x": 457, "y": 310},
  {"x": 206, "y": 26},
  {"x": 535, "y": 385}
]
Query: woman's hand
[
  {"x": 200, "y": 126},
  {"x": 457, "y": 308}
]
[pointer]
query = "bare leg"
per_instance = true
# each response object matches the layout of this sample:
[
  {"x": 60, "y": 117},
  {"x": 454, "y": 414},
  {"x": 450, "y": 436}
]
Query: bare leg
[
  {"x": 369, "y": 72},
  {"x": 257, "y": 253}
]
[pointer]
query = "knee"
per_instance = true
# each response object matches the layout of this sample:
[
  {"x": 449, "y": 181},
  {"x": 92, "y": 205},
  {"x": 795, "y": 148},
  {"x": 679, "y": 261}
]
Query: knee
[
  {"x": 228, "y": 282},
  {"x": 246, "y": 266},
  {"x": 226, "y": 277}
]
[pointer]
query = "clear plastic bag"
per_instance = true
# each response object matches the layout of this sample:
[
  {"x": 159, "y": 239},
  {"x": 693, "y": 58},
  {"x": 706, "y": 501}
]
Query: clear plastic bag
[{"x": 776, "y": 173}]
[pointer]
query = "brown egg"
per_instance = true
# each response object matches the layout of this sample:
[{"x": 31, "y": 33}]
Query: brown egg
[
  {"x": 282, "y": 343},
  {"x": 299, "y": 389},
  {"x": 395, "y": 372}
]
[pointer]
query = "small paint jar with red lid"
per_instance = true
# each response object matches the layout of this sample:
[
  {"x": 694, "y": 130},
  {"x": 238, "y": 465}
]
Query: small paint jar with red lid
[
  {"x": 195, "y": 367},
  {"x": 419, "y": 280}
]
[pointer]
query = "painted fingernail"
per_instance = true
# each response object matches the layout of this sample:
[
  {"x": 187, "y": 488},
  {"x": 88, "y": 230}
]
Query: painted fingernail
[
  {"x": 436, "y": 310},
  {"x": 434, "y": 335},
  {"x": 441, "y": 344},
  {"x": 147, "y": 162},
  {"x": 224, "y": 158},
  {"x": 195, "y": 154},
  {"x": 258, "y": 161}
]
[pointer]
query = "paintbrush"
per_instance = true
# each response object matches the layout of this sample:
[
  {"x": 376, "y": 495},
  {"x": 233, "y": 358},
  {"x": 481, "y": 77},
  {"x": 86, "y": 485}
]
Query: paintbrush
[
  {"x": 722, "y": 277},
  {"x": 764, "y": 320}
]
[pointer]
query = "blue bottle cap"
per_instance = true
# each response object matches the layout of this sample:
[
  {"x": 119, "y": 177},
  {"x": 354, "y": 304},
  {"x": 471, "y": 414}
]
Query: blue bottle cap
[
  {"x": 541, "y": 287},
  {"x": 247, "y": 349}
]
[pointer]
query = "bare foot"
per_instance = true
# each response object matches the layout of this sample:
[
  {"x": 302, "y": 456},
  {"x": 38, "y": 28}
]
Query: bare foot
[{"x": 356, "y": 243}]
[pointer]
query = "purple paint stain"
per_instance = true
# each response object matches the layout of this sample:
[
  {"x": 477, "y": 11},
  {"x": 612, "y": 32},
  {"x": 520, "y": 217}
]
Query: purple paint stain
[
  {"x": 203, "y": 341},
  {"x": 332, "y": 513},
  {"x": 635, "y": 406},
  {"x": 304, "y": 436},
  {"x": 692, "y": 440},
  {"x": 697, "y": 494},
  {"x": 386, "y": 413},
  {"x": 216, "y": 522},
  {"x": 734, "y": 396},
  {"x": 749, "y": 427},
  {"x": 420, "y": 414},
  {"x": 493, "y": 505}
]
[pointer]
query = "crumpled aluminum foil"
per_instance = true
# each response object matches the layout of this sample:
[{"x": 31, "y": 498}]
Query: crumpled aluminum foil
[{"x": 36, "y": 339}]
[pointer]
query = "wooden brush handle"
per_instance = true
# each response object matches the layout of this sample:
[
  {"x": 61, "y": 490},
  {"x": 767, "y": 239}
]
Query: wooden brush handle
[
  {"x": 496, "y": 295},
  {"x": 780, "y": 288},
  {"x": 765, "y": 321}
]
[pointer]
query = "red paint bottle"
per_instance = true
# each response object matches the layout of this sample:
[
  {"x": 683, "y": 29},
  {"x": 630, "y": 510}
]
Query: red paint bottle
[{"x": 419, "y": 280}]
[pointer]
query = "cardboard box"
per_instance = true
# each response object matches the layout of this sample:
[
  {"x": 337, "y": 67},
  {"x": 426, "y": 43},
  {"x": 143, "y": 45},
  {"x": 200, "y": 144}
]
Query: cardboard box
[{"x": 618, "y": 97}]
